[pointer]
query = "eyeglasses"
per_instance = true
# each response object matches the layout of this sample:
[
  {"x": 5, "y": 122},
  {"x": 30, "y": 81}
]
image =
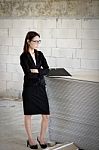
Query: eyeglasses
[{"x": 38, "y": 42}]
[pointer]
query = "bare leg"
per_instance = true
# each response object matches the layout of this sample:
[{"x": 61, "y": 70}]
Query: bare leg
[
  {"x": 27, "y": 123},
  {"x": 44, "y": 125}
]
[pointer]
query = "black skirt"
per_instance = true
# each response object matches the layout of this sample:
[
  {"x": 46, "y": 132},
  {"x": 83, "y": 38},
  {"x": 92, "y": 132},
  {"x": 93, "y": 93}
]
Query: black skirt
[{"x": 35, "y": 100}]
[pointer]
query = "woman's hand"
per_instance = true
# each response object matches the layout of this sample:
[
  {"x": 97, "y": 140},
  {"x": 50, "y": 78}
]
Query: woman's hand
[{"x": 34, "y": 70}]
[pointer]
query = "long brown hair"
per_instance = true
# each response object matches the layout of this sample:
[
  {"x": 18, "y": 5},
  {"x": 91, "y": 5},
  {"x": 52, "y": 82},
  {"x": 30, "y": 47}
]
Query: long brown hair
[{"x": 30, "y": 35}]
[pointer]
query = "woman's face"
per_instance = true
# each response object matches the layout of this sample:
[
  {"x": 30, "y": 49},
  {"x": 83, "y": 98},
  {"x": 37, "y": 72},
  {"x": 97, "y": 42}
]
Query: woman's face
[{"x": 34, "y": 43}]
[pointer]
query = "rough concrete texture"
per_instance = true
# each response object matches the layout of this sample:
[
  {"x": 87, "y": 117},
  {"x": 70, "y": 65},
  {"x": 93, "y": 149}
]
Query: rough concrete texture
[{"x": 50, "y": 8}]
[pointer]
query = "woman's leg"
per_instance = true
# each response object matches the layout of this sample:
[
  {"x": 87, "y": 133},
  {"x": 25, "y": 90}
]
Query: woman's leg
[
  {"x": 44, "y": 125},
  {"x": 28, "y": 128}
]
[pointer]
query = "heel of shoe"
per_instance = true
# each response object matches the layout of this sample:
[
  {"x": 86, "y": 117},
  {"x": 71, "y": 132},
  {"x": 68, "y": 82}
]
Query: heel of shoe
[
  {"x": 43, "y": 146},
  {"x": 27, "y": 143},
  {"x": 32, "y": 146}
]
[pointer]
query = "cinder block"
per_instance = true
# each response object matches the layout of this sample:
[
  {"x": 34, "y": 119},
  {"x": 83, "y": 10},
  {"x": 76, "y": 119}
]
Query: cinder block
[
  {"x": 69, "y": 43},
  {"x": 16, "y": 68},
  {"x": 5, "y": 41},
  {"x": 14, "y": 85},
  {"x": 48, "y": 43},
  {"x": 45, "y": 23},
  {"x": 15, "y": 50},
  {"x": 6, "y": 23},
  {"x": 17, "y": 77},
  {"x": 64, "y": 33},
  {"x": 89, "y": 64},
  {"x": 90, "y": 24},
  {"x": 51, "y": 61},
  {"x": 90, "y": 44},
  {"x": 69, "y": 23},
  {"x": 3, "y": 32},
  {"x": 45, "y": 33},
  {"x": 5, "y": 76},
  {"x": 87, "y": 54},
  {"x": 76, "y": 63},
  {"x": 88, "y": 34},
  {"x": 9, "y": 59},
  {"x": 46, "y": 51},
  {"x": 23, "y": 23},
  {"x": 4, "y": 50},
  {"x": 2, "y": 67},
  {"x": 64, "y": 62},
  {"x": 60, "y": 62},
  {"x": 11, "y": 94},
  {"x": 58, "y": 52},
  {"x": 18, "y": 32},
  {"x": 18, "y": 41},
  {"x": 2, "y": 85}
]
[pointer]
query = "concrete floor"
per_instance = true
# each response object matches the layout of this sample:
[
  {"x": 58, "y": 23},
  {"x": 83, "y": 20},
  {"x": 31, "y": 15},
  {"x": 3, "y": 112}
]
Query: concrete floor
[{"x": 12, "y": 132}]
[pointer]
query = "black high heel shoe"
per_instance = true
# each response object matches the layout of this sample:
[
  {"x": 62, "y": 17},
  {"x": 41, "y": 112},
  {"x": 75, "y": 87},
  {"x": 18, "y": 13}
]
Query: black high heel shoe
[
  {"x": 43, "y": 146},
  {"x": 32, "y": 146}
]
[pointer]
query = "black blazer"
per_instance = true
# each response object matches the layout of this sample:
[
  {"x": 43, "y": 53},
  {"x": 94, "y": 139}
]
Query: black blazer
[{"x": 27, "y": 63}]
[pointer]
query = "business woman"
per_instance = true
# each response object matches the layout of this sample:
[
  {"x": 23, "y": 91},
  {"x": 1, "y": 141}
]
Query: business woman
[{"x": 35, "y": 100}]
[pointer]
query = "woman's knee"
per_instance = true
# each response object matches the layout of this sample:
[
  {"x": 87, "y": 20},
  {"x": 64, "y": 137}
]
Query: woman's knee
[
  {"x": 45, "y": 117},
  {"x": 27, "y": 117}
]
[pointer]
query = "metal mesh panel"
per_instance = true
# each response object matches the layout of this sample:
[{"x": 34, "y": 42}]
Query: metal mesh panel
[{"x": 74, "y": 107}]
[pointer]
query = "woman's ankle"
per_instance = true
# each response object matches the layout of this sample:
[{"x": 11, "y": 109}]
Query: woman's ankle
[
  {"x": 41, "y": 139},
  {"x": 32, "y": 141}
]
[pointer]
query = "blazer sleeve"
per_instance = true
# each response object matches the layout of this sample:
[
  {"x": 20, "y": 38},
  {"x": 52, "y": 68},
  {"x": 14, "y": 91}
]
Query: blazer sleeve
[
  {"x": 25, "y": 67},
  {"x": 45, "y": 68}
]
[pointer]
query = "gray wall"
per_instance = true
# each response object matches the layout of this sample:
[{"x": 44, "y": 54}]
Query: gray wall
[{"x": 69, "y": 32}]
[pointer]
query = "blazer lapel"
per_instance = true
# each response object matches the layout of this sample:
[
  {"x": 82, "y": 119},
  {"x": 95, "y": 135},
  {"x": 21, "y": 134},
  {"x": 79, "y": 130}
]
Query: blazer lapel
[
  {"x": 36, "y": 56},
  {"x": 30, "y": 58}
]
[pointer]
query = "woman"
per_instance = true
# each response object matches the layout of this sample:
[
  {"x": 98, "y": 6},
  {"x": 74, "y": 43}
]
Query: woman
[{"x": 34, "y": 95}]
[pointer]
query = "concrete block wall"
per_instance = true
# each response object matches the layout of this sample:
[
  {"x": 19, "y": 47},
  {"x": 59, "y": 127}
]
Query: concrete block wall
[{"x": 69, "y": 43}]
